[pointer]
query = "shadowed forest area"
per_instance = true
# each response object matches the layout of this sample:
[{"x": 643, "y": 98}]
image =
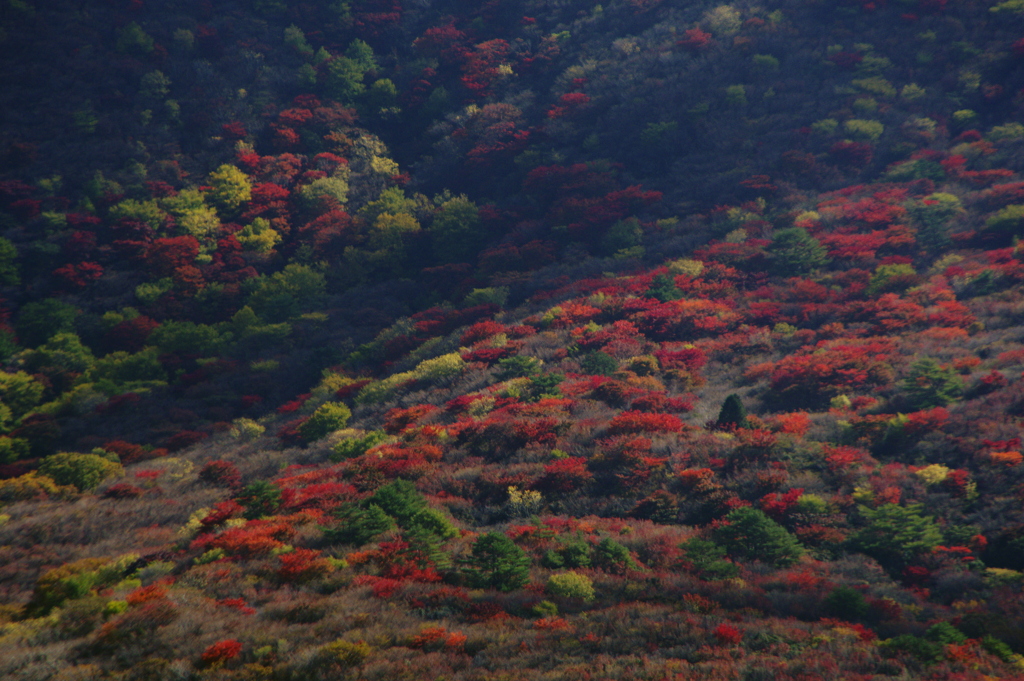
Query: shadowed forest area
[{"x": 529, "y": 340}]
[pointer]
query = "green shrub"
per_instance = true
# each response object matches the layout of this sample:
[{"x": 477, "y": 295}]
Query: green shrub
[
  {"x": 997, "y": 648},
  {"x": 571, "y": 585},
  {"x": 944, "y": 632},
  {"x": 121, "y": 368},
  {"x": 433, "y": 521},
  {"x": 708, "y": 559},
  {"x": 599, "y": 363},
  {"x": 492, "y": 295},
  {"x": 84, "y": 471},
  {"x": 344, "y": 654},
  {"x": 229, "y": 188},
  {"x": 924, "y": 650},
  {"x": 517, "y": 367},
  {"x": 1009, "y": 219},
  {"x": 846, "y": 603},
  {"x": 624, "y": 234},
  {"x": 663, "y": 288},
  {"x": 19, "y": 392},
  {"x": 793, "y": 252},
  {"x": 186, "y": 338},
  {"x": 63, "y": 351},
  {"x": 325, "y": 420},
  {"x": 357, "y": 446},
  {"x": 260, "y": 498},
  {"x": 864, "y": 129},
  {"x": 39, "y": 320},
  {"x": 456, "y": 232},
  {"x": 12, "y": 449},
  {"x": 246, "y": 429},
  {"x": 895, "y": 277},
  {"x": 613, "y": 556}
]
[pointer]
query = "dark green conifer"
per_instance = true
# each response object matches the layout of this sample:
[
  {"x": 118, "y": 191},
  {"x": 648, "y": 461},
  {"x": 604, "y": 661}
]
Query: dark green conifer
[{"x": 732, "y": 414}]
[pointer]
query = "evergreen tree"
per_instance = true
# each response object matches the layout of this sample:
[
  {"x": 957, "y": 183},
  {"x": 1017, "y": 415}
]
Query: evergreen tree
[
  {"x": 359, "y": 525},
  {"x": 732, "y": 414},
  {"x": 930, "y": 385},
  {"x": 664, "y": 288},
  {"x": 400, "y": 500},
  {"x": 260, "y": 498},
  {"x": 749, "y": 534},
  {"x": 793, "y": 252},
  {"x": 498, "y": 563},
  {"x": 599, "y": 364},
  {"x": 895, "y": 535}
]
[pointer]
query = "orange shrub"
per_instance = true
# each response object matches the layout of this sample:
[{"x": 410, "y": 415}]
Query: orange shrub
[
  {"x": 1005, "y": 458},
  {"x": 145, "y": 594},
  {"x": 795, "y": 423}
]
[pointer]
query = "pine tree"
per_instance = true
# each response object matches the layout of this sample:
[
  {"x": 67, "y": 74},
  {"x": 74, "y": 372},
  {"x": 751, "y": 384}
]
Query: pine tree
[
  {"x": 749, "y": 534},
  {"x": 732, "y": 414},
  {"x": 794, "y": 252},
  {"x": 931, "y": 385},
  {"x": 498, "y": 563}
]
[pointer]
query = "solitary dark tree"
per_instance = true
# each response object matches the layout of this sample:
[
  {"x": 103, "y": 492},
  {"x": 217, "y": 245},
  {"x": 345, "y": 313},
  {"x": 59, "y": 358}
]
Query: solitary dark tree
[{"x": 732, "y": 414}]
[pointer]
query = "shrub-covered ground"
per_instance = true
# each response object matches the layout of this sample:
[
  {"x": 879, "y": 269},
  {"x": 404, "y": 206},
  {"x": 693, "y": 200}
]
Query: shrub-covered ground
[{"x": 511, "y": 340}]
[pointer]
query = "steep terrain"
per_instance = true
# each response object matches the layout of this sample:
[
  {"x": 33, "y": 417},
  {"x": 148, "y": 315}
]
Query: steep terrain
[{"x": 520, "y": 340}]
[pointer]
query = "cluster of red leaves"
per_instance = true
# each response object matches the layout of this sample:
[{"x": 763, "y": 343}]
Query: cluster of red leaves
[
  {"x": 221, "y": 651},
  {"x": 256, "y": 538}
]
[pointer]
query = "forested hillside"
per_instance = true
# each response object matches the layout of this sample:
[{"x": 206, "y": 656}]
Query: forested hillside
[{"x": 516, "y": 340}]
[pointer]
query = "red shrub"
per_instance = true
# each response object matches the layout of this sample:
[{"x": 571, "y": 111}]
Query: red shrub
[
  {"x": 399, "y": 419},
  {"x": 694, "y": 39},
  {"x": 79, "y": 275},
  {"x": 832, "y": 368},
  {"x": 222, "y": 510},
  {"x": 220, "y": 472},
  {"x": 640, "y": 422},
  {"x": 778, "y": 505},
  {"x": 123, "y": 490},
  {"x": 238, "y": 604},
  {"x": 164, "y": 256},
  {"x": 234, "y": 130},
  {"x": 303, "y": 565},
  {"x": 481, "y": 331},
  {"x": 221, "y": 651},
  {"x": 257, "y": 538},
  {"x": 690, "y": 359},
  {"x": 145, "y": 594},
  {"x": 565, "y": 475},
  {"x": 727, "y": 635},
  {"x": 438, "y": 638},
  {"x": 126, "y": 451}
]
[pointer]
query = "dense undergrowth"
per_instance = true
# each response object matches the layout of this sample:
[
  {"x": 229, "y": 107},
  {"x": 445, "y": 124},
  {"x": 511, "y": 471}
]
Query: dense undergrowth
[{"x": 515, "y": 340}]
